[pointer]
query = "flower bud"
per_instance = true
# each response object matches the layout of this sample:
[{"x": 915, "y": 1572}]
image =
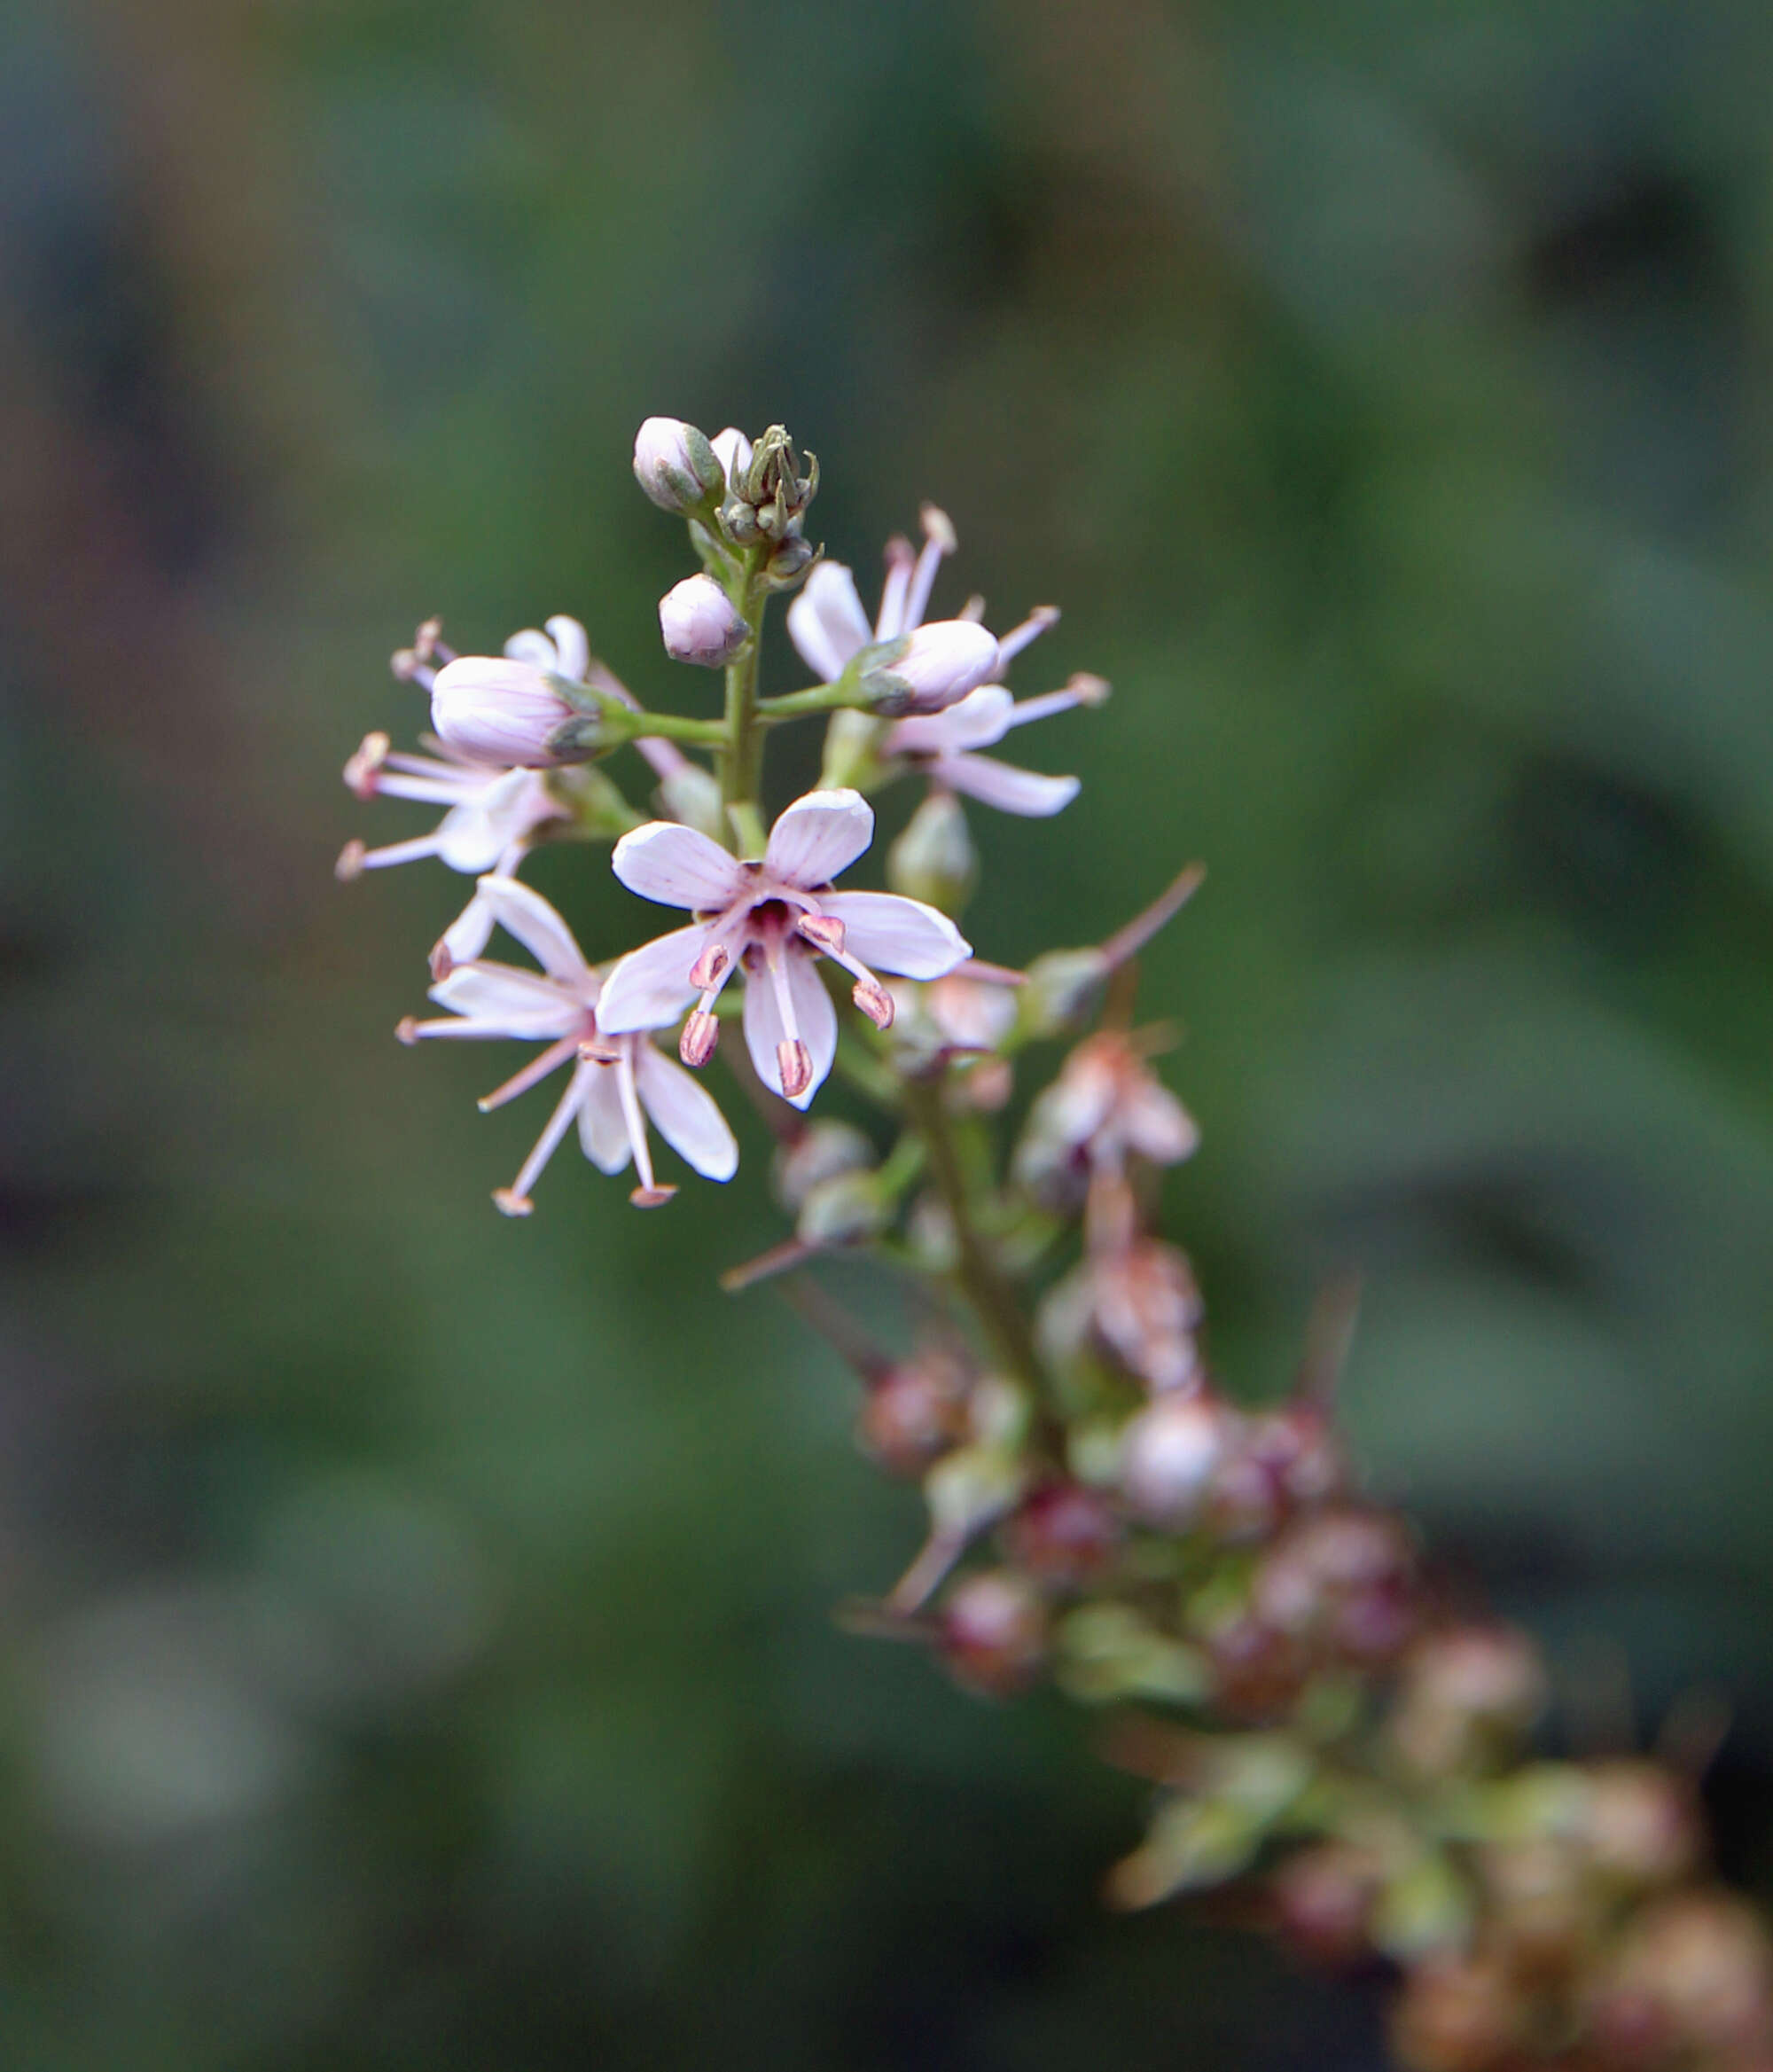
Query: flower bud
[
  {"x": 993, "y": 1632},
  {"x": 1064, "y": 1534},
  {"x": 933, "y": 860},
  {"x": 1457, "y": 2014},
  {"x": 1169, "y": 1456},
  {"x": 931, "y": 669},
  {"x": 915, "y": 1413},
  {"x": 1062, "y": 991},
  {"x": 732, "y": 449},
  {"x": 843, "y": 1211},
  {"x": 676, "y": 465},
  {"x": 1640, "y": 1824},
  {"x": 692, "y": 794},
  {"x": 501, "y": 711},
  {"x": 822, "y": 1152},
  {"x": 1323, "y": 1899},
  {"x": 700, "y": 623}
]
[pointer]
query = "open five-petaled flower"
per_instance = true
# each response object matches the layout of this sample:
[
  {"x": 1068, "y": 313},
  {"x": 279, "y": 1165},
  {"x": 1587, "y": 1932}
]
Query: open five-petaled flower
[
  {"x": 773, "y": 917},
  {"x": 617, "y": 1082}
]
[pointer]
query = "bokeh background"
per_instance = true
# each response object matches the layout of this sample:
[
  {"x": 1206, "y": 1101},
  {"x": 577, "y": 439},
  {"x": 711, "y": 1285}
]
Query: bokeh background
[{"x": 417, "y": 1649}]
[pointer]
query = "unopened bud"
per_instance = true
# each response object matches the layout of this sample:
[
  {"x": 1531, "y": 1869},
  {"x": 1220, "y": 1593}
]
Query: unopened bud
[
  {"x": 692, "y": 794},
  {"x": 824, "y": 1151},
  {"x": 1169, "y": 1454},
  {"x": 914, "y": 1413},
  {"x": 1063, "y": 990},
  {"x": 993, "y": 1632},
  {"x": 675, "y": 465},
  {"x": 933, "y": 860},
  {"x": 732, "y": 449},
  {"x": 1064, "y": 1534},
  {"x": 843, "y": 1211},
  {"x": 500, "y": 712},
  {"x": 971, "y": 1490},
  {"x": 1640, "y": 1823},
  {"x": 700, "y": 623},
  {"x": 929, "y": 669}
]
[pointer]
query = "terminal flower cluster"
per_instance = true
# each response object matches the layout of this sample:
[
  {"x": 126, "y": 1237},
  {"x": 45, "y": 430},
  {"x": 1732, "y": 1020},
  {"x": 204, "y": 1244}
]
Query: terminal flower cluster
[{"x": 1323, "y": 1734}]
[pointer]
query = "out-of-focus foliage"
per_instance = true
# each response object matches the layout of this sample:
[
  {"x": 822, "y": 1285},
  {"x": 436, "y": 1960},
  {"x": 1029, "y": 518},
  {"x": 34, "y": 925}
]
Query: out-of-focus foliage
[{"x": 418, "y": 1650}]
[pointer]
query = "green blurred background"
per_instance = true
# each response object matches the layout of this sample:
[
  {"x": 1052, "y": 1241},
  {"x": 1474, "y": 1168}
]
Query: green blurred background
[{"x": 418, "y": 1640}]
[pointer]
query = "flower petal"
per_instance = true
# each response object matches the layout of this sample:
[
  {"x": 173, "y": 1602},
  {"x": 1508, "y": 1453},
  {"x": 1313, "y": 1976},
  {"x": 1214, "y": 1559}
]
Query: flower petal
[
  {"x": 898, "y": 934},
  {"x": 651, "y": 987},
  {"x": 501, "y": 1001},
  {"x": 603, "y": 1129},
  {"x": 814, "y": 1012},
  {"x": 685, "y": 1114},
  {"x": 981, "y": 717},
  {"x": 674, "y": 865},
  {"x": 819, "y": 836},
  {"x": 827, "y": 622},
  {"x": 528, "y": 915},
  {"x": 1004, "y": 786},
  {"x": 572, "y": 649},
  {"x": 532, "y": 645}
]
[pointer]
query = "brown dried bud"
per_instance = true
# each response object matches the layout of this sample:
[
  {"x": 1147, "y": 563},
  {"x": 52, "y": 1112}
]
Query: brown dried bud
[{"x": 1063, "y": 1535}]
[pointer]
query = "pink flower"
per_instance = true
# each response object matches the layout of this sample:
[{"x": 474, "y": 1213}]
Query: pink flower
[
  {"x": 943, "y": 746},
  {"x": 828, "y": 625},
  {"x": 700, "y": 623},
  {"x": 773, "y": 917},
  {"x": 492, "y": 817},
  {"x": 617, "y": 1082}
]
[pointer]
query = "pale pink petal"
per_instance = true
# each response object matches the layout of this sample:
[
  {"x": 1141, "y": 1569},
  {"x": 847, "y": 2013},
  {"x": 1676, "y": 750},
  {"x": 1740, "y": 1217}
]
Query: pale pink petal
[
  {"x": 499, "y": 1000},
  {"x": 813, "y": 1012},
  {"x": 532, "y": 645},
  {"x": 469, "y": 933},
  {"x": 981, "y": 717},
  {"x": 685, "y": 1115},
  {"x": 528, "y": 915},
  {"x": 649, "y": 988},
  {"x": 602, "y": 1129},
  {"x": 827, "y": 622},
  {"x": 897, "y": 934},
  {"x": 1157, "y": 1125},
  {"x": 819, "y": 836},
  {"x": 572, "y": 649},
  {"x": 1004, "y": 786},
  {"x": 474, "y": 835},
  {"x": 468, "y": 841},
  {"x": 674, "y": 865}
]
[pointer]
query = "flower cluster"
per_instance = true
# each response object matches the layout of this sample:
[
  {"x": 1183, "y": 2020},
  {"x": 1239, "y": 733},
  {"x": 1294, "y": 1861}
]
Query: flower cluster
[{"x": 1264, "y": 1639}]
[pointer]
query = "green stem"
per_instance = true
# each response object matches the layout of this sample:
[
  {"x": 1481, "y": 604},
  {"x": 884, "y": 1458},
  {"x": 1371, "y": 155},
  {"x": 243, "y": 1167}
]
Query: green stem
[
  {"x": 841, "y": 696},
  {"x": 977, "y": 1273},
  {"x": 670, "y": 726},
  {"x": 741, "y": 749}
]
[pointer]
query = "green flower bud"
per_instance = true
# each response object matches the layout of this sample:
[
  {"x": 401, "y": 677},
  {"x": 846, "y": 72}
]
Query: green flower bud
[{"x": 933, "y": 860}]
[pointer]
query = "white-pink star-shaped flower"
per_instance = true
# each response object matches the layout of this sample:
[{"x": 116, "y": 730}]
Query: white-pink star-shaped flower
[
  {"x": 829, "y": 627},
  {"x": 492, "y": 818},
  {"x": 618, "y": 1080},
  {"x": 773, "y": 917},
  {"x": 944, "y": 745}
]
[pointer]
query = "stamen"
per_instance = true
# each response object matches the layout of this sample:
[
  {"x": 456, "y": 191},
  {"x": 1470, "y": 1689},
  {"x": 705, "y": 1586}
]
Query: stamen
[
  {"x": 566, "y": 1108},
  {"x": 442, "y": 961},
  {"x": 900, "y": 559},
  {"x": 1081, "y": 690},
  {"x": 1031, "y": 628},
  {"x": 874, "y": 1000},
  {"x": 701, "y": 1034},
  {"x": 825, "y": 932},
  {"x": 649, "y": 1194},
  {"x": 361, "y": 770},
  {"x": 710, "y": 967},
  {"x": 537, "y": 1070},
  {"x": 509, "y": 1202},
  {"x": 826, "y": 935},
  {"x": 973, "y": 610},
  {"x": 350, "y": 863},
  {"x": 795, "y": 1062},
  {"x": 406, "y": 1029},
  {"x": 938, "y": 540},
  {"x": 427, "y": 642},
  {"x": 398, "y": 852}
]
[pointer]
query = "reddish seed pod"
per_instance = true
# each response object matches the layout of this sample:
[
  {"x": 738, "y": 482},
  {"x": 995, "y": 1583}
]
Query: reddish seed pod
[
  {"x": 914, "y": 1413},
  {"x": 1065, "y": 1535}
]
